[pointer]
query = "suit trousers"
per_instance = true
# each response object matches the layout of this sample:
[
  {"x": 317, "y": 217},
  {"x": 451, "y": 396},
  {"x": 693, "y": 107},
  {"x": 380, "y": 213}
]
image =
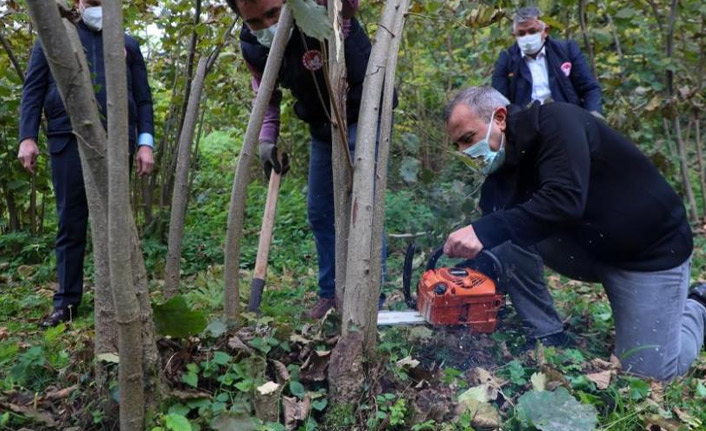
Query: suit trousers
[{"x": 72, "y": 210}]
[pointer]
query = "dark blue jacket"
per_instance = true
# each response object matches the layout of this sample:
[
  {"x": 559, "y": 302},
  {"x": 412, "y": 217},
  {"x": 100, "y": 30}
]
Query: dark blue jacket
[
  {"x": 300, "y": 80},
  {"x": 40, "y": 92},
  {"x": 513, "y": 78}
]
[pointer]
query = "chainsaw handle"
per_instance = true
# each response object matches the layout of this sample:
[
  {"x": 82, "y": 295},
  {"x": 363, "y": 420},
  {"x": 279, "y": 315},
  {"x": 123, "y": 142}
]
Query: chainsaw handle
[{"x": 499, "y": 268}]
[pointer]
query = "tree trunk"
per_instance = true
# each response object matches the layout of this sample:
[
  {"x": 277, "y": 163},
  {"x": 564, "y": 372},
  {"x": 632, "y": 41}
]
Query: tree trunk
[
  {"x": 701, "y": 165},
  {"x": 13, "y": 59},
  {"x": 674, "y": 113},
  {"x": 132, "y": 395},
  {"x": 170, "y": 172},
  {"x": 383, "y": 156},
  {"x": 181, "y": 184},
  {"x": 236, "y": 213},
  {"x": 361, "y": 292},
  {"x": 341, "y": 163},
  {"x": 67, "y": 61},
  {"x": 586, "y": 38},
  {"x": 13, "y": 215}
]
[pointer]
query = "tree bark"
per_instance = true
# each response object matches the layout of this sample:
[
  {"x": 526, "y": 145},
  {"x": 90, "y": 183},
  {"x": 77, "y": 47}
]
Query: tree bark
[
  {"x": 236, "y": 213},
  {"x": 14, "y": 217},
  {"x": 132, "y": 395},
  {"x": 67, "y": 62},
  {"x": 181, "y": 184},
  {"x": 701, "y": 165},
  {"x": 382, "y": 158},
  {"x": 361, "y": 293},
  {"x": 13, "y": 59},
  {"x": 586, "y": 38},
  {"x": 340, "y": 153},
  {"x": 180, "y": 193}
]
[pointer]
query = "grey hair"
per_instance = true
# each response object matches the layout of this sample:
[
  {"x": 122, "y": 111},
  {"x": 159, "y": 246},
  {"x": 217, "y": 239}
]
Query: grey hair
[
  {"x": 482, "y": 100},
  {"x": 525, "y": 14}
]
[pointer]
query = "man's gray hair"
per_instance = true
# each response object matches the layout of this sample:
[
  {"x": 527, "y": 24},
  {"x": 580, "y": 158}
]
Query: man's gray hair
[
  {"x": 482, "y": 100},
  {"x": 526, "y": 14}
]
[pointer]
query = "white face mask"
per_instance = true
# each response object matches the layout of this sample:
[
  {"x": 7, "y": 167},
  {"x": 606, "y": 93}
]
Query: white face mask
[
  {"x": 491, "y": 160},
  {"x": 531, "y": 43},
  {"x": 267, "y": 35},
  {"x": 93, "y": 17}
]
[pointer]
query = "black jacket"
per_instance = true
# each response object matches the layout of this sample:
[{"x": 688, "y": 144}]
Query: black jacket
[
  {"x": 568, "y": 173},
  {"x": 40, "y": 92},
  {"x": 512, "y": 77}
]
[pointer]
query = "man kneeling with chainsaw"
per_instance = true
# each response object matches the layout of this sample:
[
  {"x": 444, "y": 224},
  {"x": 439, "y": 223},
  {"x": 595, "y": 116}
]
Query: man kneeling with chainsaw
[{"x": 595, "y": 209}]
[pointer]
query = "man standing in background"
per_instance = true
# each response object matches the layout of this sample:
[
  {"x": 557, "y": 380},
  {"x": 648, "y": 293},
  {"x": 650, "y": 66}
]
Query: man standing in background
[
  {"x": 538, "y": 67},
  {"x": 41, "y": 93}
]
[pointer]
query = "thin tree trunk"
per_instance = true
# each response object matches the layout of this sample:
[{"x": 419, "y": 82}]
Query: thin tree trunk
[
  {"x": 340, "y": 153},
  {"x": 346, "y": 372},
  {"x": 14, "y": 218},
  {"x": 676, "y": 123},
  {"x": 586, "y": 38},
  {"x": 127, "y": 309},
  {"x": 67, "y": 61},
  {"x": 701, "y": 165},
  {"x": 236, "y": 213},
  {"x": 181, "y": 184},
  {"x": 614, "y": 31},
  {"x": 11, "y": 55},
  {"x": 382, "y": 159}
]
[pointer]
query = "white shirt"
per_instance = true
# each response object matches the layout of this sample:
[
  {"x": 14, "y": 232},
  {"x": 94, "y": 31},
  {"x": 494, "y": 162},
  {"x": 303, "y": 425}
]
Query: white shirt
[{"x": 540, "y": 76}]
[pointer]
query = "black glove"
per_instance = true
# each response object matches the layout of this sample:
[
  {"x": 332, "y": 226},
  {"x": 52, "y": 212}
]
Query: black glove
[{"x": 270, "y": 159}]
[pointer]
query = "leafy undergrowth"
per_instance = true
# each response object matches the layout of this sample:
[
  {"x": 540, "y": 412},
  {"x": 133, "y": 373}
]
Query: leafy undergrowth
[{"x": 271, "y": 374}]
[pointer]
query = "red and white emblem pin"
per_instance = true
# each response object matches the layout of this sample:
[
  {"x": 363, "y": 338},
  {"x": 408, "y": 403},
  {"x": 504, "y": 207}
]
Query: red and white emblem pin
[{"x": 312, "y": 60}]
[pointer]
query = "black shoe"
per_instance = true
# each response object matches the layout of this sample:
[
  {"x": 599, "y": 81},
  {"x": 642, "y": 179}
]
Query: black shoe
[
  {"x": 697, "y": 292},
  {"x": 561, "y": 340},
  {"x": 59, "y": 315}
]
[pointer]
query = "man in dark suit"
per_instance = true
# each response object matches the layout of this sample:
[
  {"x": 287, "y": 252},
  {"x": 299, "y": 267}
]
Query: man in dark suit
[
  {"x": 41, "y": 93},
  {"x": 540, "y": 68},
  {"x": 597, "y": 210}
]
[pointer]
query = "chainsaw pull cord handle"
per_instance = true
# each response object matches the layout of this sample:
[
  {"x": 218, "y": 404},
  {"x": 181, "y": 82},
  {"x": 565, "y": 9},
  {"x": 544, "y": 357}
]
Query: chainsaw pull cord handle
[
  {"x": 499, "y": 268},
  {"x": 407, "y": 277}
]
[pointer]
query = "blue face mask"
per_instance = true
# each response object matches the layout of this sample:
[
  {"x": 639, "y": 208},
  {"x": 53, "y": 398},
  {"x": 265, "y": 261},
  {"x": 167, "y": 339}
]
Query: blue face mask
[
  {"x": 492, "y": 160},
  {"x": 267, "y": 35}
]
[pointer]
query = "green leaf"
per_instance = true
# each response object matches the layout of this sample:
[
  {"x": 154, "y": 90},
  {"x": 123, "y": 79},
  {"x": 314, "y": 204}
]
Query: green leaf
[
  {"x": 639, "y": 389},
  {"x": 190, "y": 379},
  {"x": 409, "y": 169},
  {"x": 229, "y": 422},
  {"x": 261, "y": 344},
  {"x": 319, "y": 405},
  {"x": 176, "y": 422},
  {"x": 556, "y": 411},
  {"x": 216, "y": 328},
  {"x": 311, "y": 18},
  {"x": 701, "y": 390},
  {"x": 176, "y": 319},
  {"x": 221, "y": 358},
  {"x": 297, "y": 389}
]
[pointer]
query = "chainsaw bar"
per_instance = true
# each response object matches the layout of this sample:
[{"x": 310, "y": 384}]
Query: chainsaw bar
[{"x": 391, "y": 318}]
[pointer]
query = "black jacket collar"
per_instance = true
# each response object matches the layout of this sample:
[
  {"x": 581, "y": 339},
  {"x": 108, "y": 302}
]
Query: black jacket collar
[{"x": 522, "y": 131}]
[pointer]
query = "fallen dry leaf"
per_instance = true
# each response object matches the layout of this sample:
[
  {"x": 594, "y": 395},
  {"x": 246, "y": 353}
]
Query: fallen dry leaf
[
  {"x": 4, "y": 334},
  {"x": 237, "y": 344},
  {"x": 295, "y": 411},
  {"x": 282, "y": 372},
  {"x": 689, "y": 420},
  {"x": 60, "y": 394},
  {"x": 601, "y": 379},
  {"x": 407, "y": 362}
]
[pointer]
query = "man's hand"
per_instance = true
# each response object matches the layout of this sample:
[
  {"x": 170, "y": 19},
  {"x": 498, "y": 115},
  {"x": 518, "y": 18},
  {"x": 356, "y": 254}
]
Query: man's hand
[
  {"x": 145, "y": 160},
  {"x": 270, "y": 159},
  {"x": 28, "y": 154},
  {"x": 463, "y": 244}
]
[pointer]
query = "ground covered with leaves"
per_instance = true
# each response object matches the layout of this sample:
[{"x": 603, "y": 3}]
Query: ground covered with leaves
[{"x": 271, "y": 373}]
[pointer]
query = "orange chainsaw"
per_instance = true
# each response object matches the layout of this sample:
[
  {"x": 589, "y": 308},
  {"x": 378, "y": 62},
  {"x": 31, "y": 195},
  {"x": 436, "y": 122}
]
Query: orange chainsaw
[{"x": 466, "y": 294}]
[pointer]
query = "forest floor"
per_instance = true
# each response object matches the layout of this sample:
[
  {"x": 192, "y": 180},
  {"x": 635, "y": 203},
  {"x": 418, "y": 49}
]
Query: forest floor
[{"x": 422, "y": 378}]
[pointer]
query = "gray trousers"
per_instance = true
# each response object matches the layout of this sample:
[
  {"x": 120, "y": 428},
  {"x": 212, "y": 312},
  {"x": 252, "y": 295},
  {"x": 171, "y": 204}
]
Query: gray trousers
[{"x": 658, "y": 331}]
